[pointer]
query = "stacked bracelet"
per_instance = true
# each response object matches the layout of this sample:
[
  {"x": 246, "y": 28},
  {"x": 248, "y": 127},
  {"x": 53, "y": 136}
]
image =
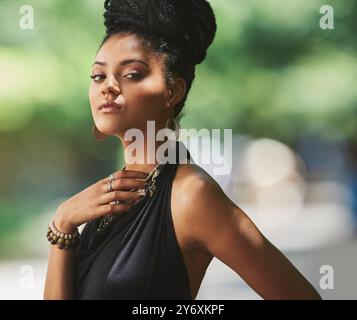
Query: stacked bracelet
[{"x": 63, "y": 240}]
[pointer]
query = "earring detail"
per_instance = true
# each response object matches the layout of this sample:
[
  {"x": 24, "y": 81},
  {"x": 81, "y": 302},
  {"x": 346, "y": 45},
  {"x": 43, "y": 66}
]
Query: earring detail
[{"x": 173, "y": 124}]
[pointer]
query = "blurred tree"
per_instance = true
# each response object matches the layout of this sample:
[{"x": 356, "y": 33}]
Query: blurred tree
[{"x": 271, "y": 72}]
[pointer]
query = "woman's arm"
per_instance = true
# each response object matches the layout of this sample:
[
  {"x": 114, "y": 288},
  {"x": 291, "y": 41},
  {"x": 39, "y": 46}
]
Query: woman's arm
[
  {"x": 217, "y": 225},
  {"x": 59, "y": 278},
  {"x": 90, "y": 204}
]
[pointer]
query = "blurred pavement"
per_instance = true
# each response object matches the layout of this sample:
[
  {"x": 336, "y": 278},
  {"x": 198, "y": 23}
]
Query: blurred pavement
[{"x": 220, "y": 282}]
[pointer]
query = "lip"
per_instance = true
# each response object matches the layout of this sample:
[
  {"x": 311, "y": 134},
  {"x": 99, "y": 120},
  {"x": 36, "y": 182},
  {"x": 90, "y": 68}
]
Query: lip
[
  {"x": 109, "y": 110},
  {"x": 109, "y": 106}
]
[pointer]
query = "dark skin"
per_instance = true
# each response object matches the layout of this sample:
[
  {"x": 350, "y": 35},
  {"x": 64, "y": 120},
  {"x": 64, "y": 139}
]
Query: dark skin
[
  {"x": 217, "y": 227},
  {"x": 212, "y": 227}
]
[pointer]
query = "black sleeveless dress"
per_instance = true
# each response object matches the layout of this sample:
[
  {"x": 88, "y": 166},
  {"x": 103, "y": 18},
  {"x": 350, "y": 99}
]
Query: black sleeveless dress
[{"x": 138, "y": 255}]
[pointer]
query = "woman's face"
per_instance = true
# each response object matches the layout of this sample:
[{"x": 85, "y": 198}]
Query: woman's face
[{"x": 139, "y": 87}]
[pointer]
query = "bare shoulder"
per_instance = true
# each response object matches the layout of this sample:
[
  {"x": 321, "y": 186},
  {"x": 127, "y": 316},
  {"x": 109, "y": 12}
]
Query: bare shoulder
[
  {"x": 218, "y": 227},
  {"x": 194, "y": 185},
  {"x": 194, "y": 176},
  {"x": 199, "y": 201}
]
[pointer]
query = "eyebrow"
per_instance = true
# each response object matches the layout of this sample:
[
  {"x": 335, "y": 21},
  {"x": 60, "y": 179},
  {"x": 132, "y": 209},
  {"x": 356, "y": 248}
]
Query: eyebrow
[{"x": 122, "y": 63}]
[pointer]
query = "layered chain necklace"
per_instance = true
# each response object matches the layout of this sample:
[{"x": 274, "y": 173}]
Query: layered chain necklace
[{"x": 106, "y": 221}]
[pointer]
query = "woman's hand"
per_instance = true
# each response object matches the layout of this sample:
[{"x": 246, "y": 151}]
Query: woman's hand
[{"x": 94, "y": 201}]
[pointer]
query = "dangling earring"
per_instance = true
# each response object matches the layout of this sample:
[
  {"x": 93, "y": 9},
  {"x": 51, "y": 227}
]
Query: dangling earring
[
  {"x": 99, "y": 136},
  {"x": 173, "y": 124},
  {"x": 177, "y": 127}
]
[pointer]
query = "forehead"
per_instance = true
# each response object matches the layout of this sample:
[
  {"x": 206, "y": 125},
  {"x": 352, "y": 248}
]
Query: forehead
[{"x": 123, "y": 45}]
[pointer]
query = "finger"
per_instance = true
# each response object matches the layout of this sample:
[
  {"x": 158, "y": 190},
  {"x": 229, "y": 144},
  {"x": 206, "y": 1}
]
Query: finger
[
  {"x": 128, "y": 184},
  {"x": 121, "y": 184},
  {"x": 125, "y": 174},
  {"x": 130, "y": 174},
  {"x": 112, "y": 209},
  {"x": 121, "y": 196}
]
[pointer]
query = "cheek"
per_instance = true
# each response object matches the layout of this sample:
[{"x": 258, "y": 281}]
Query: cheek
[
  {"x": 95, "y": 97},
  {"x": 148, "y": 97},
  {"x": 92, "y": 94}
]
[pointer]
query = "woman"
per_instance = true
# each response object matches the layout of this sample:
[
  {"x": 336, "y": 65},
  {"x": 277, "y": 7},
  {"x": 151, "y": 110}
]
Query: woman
[{"x": 153, "y": 228}]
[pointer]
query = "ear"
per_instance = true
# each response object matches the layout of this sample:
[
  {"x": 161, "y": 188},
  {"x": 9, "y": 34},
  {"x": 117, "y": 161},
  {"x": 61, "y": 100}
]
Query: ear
[{"x": 177, "y": 91}]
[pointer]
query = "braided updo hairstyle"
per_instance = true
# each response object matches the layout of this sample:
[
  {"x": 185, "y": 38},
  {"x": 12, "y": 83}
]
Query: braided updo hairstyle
[{"x": 182, "y": 29}]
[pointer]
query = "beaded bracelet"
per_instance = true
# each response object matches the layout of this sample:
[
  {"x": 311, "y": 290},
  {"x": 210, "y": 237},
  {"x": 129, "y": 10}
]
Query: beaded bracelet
[{"x": 63, "y": 240}]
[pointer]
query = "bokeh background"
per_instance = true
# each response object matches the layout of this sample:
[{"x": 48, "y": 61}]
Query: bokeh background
[{"x": 285, "y": 86}]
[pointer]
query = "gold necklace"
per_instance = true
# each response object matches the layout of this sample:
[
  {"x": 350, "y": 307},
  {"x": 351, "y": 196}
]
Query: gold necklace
[{"x": 106, "y": 221}]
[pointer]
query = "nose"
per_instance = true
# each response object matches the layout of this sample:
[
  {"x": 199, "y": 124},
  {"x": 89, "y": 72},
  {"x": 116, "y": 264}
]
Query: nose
[{"x": 111, "y": 86}]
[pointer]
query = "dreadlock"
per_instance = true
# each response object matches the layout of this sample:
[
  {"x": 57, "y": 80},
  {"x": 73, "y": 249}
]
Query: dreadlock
[{"x": 182, "y": 29}]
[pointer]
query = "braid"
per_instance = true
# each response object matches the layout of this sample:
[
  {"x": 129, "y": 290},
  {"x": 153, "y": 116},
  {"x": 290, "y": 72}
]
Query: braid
[{"x": 182, "y": 29}]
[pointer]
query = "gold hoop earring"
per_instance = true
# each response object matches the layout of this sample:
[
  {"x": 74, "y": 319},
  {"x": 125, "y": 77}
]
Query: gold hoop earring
[{"x": 98, "y": 135}]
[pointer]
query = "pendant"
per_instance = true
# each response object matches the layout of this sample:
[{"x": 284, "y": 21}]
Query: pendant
[{"x": 106, "y": 221}]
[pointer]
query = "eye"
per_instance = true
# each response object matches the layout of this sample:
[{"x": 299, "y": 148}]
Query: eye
[
  {"x": 134, "y": 76},
  {"x": 97, "y": 77}
]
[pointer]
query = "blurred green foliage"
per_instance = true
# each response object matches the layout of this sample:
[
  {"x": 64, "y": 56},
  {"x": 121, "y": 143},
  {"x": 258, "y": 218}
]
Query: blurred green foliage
[{"x": 272, "y": 72}]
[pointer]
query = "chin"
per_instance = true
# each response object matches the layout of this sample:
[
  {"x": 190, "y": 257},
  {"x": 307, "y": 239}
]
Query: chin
[{"x": 108, "y": 128}]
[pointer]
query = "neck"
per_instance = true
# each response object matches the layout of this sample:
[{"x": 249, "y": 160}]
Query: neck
[{"x": 141, "y": 156}]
